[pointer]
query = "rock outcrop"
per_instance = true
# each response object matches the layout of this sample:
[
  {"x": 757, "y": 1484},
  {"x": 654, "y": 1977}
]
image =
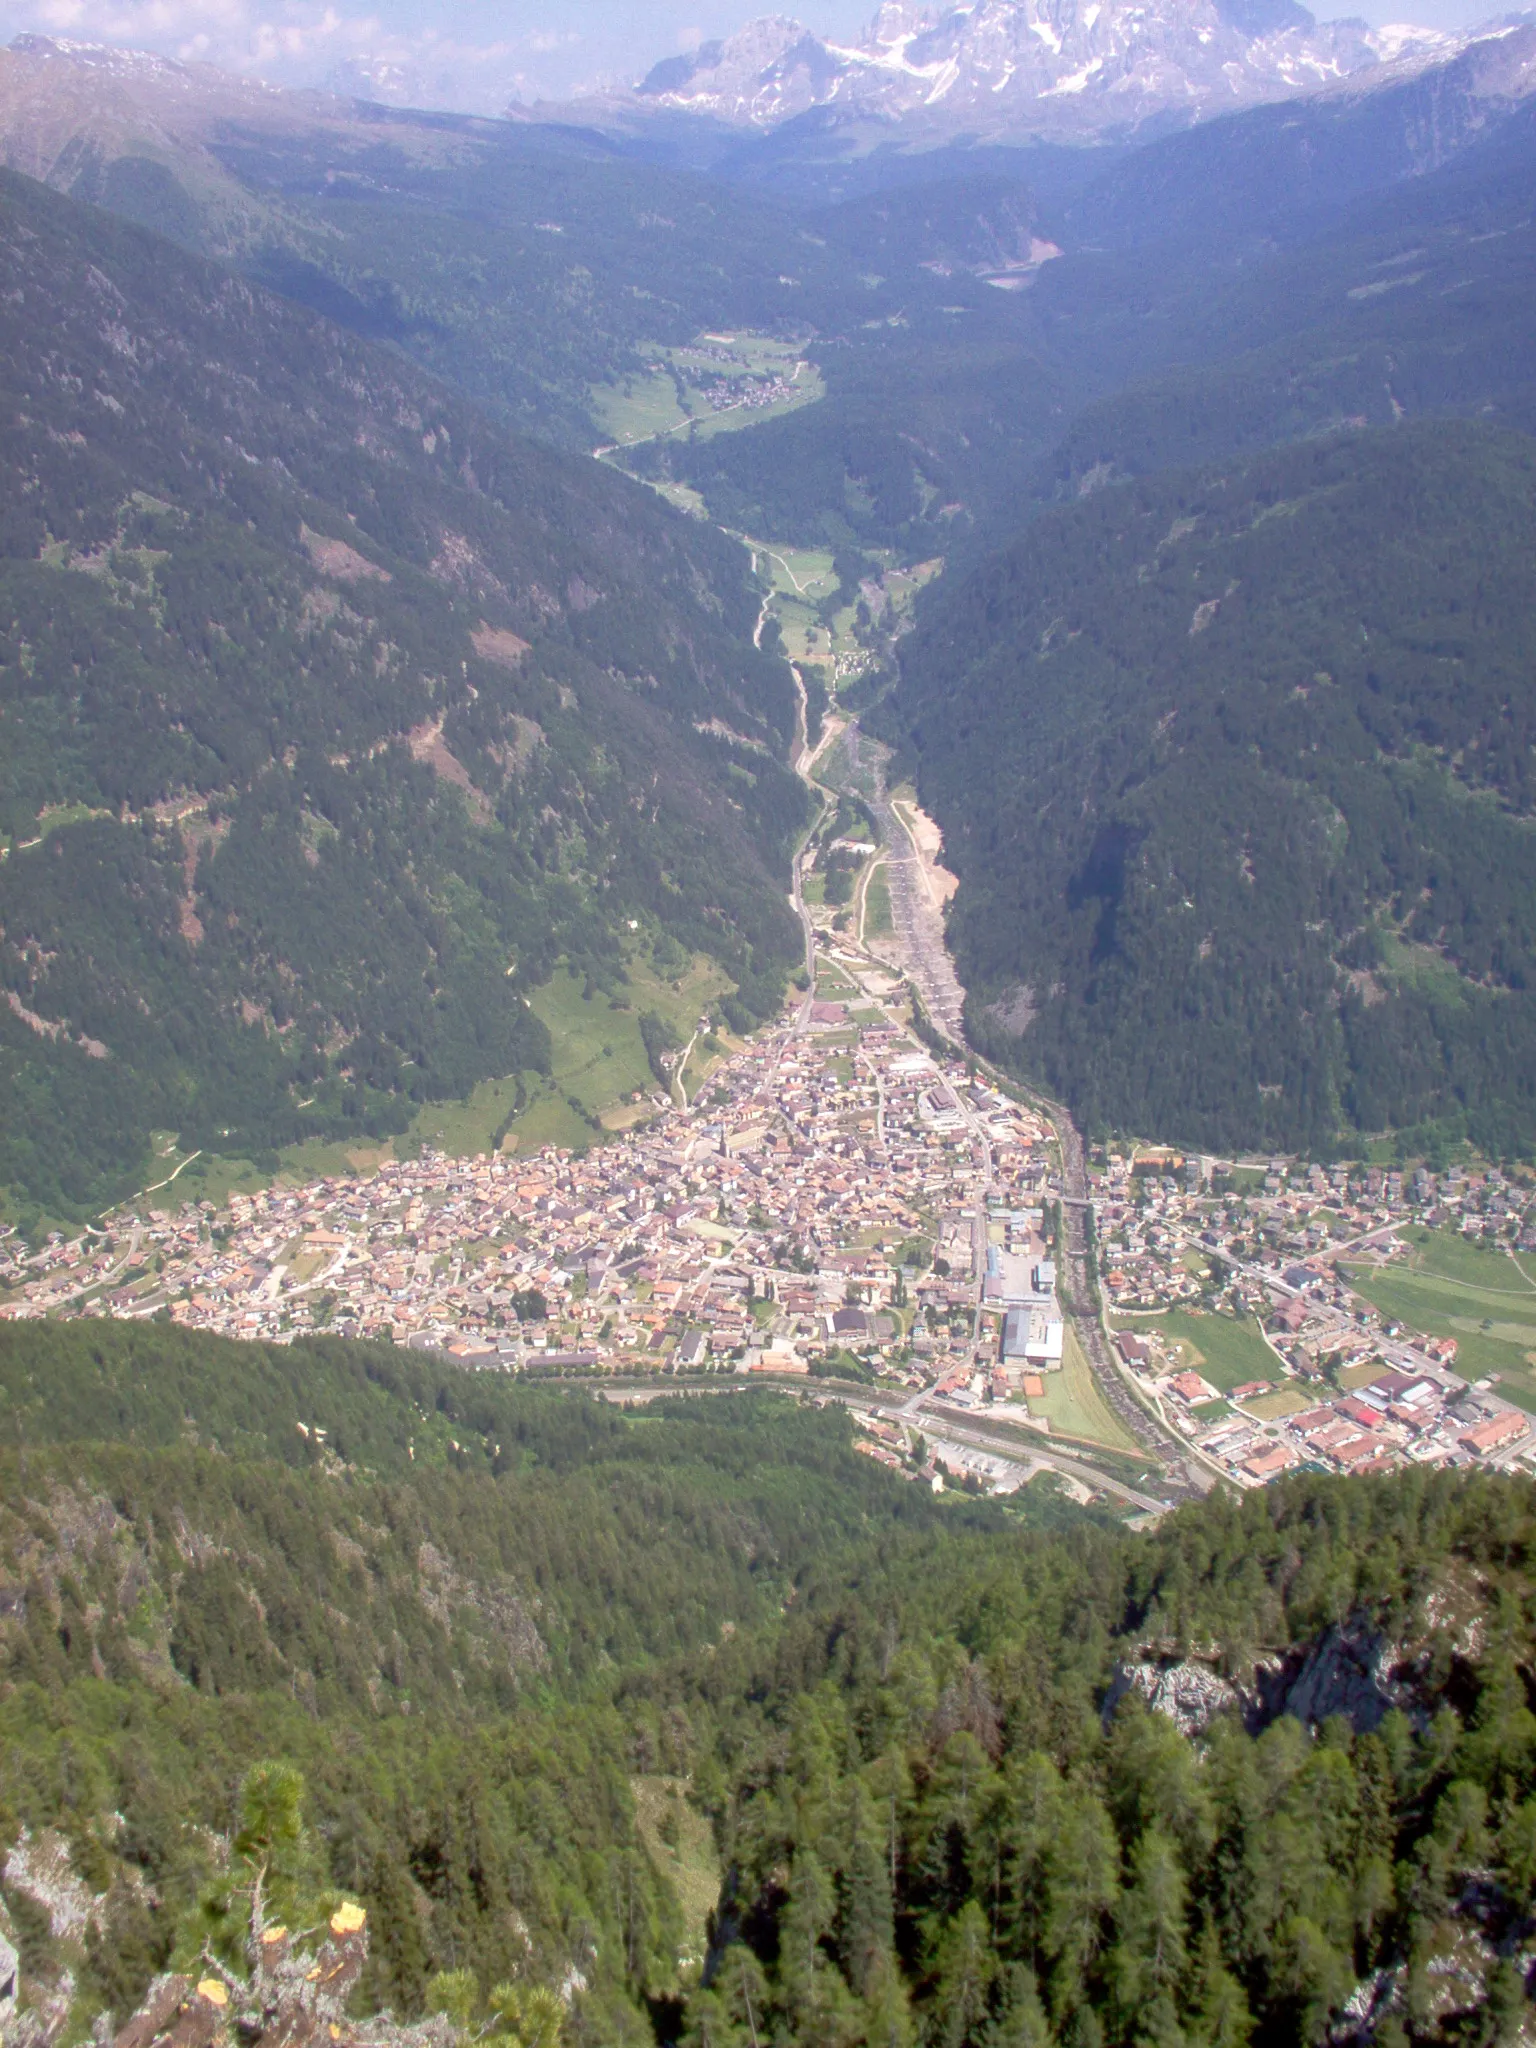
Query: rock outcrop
[{"x": 1351, "y": 1670}]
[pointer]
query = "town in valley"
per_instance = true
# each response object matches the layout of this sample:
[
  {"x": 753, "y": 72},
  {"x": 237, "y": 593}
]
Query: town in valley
[{"x": 876, "y": 1219}]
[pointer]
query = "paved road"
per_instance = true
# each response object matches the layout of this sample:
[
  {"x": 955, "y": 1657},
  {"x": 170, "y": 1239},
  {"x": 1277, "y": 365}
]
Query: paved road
[
  {"x": 943, "y": 1422},
  {"x": 679, "y": 1088},
  {"x": 1393, "y": 1349},
  {"x": 113, "y": 1273},
  {"x": 963, "y": 1424},
  {"x": 806, "y": 757},
  {"x": 919, "y": 921}
]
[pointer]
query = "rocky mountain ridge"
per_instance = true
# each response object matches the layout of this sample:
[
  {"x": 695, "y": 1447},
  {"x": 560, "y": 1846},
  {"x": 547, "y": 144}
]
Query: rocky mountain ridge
[
  {"x": 139, "y": 134},
  {"x": 1059, "y": 70}
]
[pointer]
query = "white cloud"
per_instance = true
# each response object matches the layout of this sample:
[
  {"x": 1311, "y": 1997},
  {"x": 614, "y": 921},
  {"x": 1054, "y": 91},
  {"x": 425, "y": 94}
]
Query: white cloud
[
  {"x": 313, "y": 42},
  {"x": 231, "y": 33}
]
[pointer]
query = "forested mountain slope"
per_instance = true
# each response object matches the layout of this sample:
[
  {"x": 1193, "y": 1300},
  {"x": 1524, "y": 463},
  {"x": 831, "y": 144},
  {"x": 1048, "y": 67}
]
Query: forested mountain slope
[
  {"x": 1235, "y": 769},
  {"x": 547, "y": 1670},
  {"x": 523, "y": 263},
  {"x": 333, "y": 716},
  {"x": 1270, "y": 174},
  {"x": 427, "y": 1599},
  {"x": 1155, "y": 349},
  {"x": 1402, "y": 306}
]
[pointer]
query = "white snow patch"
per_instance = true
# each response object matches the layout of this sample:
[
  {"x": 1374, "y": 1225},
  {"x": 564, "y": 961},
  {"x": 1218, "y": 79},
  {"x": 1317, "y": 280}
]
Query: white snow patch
[
  {"x": 891, "y": 56},
  {"x": 946, "y": 79},
  {"x": 1075, "y": 81},
  {"x": 1398, "y": 37}
]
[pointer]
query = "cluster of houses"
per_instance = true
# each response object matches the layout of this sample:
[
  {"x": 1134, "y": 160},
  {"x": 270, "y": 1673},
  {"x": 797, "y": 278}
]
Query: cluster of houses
[
  {"x": 795, "y": 1219},
  {"x": 1343, "y": 1388},
  {"x": 1393, "y": 1419},
  {"x": 1160, "y": 1214},
  {"x": 838, "y": 1201}
]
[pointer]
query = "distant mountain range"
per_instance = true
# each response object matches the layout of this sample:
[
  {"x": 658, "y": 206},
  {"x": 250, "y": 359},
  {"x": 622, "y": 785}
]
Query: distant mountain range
[
  {"x": 524, "y": 263},
  {"x": 1062, "y": 70}
]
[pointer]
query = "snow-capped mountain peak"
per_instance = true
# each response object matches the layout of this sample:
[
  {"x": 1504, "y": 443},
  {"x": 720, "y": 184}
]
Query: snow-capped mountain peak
[{"x": 1069, "y": 68}]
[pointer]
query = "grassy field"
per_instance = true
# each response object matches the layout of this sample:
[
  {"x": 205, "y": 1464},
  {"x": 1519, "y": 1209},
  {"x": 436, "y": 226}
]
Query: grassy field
[
  {"x": 878, "y": 923},
  {"x": 462, "y": 1128},
  {"x": 681, "y": 1843},
  {"x": 675, "y": 395},
  {"x": 712, "y": 1050},
  {"x": 1286, "y": 1400},
  {"x": 798, "y": 579},
  {"x": 598, "y": 1057},
  {"x": 1450, "y": 1288},
  {"x": 1353, "y": 1377},
  {"x": 1222, "y": 1349},
  {"x": 55, "y": 817},
  {"x": 684, "y": 497},
  {"x": 639, "y": 409},
  {"x": 802, "y": 574},
  {"x": 1073, "y": 1405}
]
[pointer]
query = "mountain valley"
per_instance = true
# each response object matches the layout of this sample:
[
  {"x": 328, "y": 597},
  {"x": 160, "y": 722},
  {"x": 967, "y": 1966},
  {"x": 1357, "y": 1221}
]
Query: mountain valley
[
  {"x": 767, "y": 1129},
  {"x": 940, "y": 413}
]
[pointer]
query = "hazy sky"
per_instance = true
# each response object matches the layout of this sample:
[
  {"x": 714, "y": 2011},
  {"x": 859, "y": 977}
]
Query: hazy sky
[{"x": 479, "y": 53}]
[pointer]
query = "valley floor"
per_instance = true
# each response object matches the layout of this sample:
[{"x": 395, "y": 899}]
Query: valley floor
[{"x": 852, "y": 1199}]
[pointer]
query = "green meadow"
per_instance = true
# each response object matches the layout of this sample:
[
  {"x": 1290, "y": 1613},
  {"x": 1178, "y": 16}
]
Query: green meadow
[
  {"x": 1225, "y": 1350},
  {"x": 1479, "y": 1296},
  {"x": 706, "y": 387},
  {"x": 1073, "y": 1405}
]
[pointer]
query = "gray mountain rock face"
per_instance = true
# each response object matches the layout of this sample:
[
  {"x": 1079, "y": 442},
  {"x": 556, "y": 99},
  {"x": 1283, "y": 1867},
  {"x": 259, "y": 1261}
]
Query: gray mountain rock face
[
  {"x": 1353, "y": 1672},
  {"x": 1350, "y": 1670},
  {"x": 1191, "y": 1695},
  {"x": 1068, "y": 70}
]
